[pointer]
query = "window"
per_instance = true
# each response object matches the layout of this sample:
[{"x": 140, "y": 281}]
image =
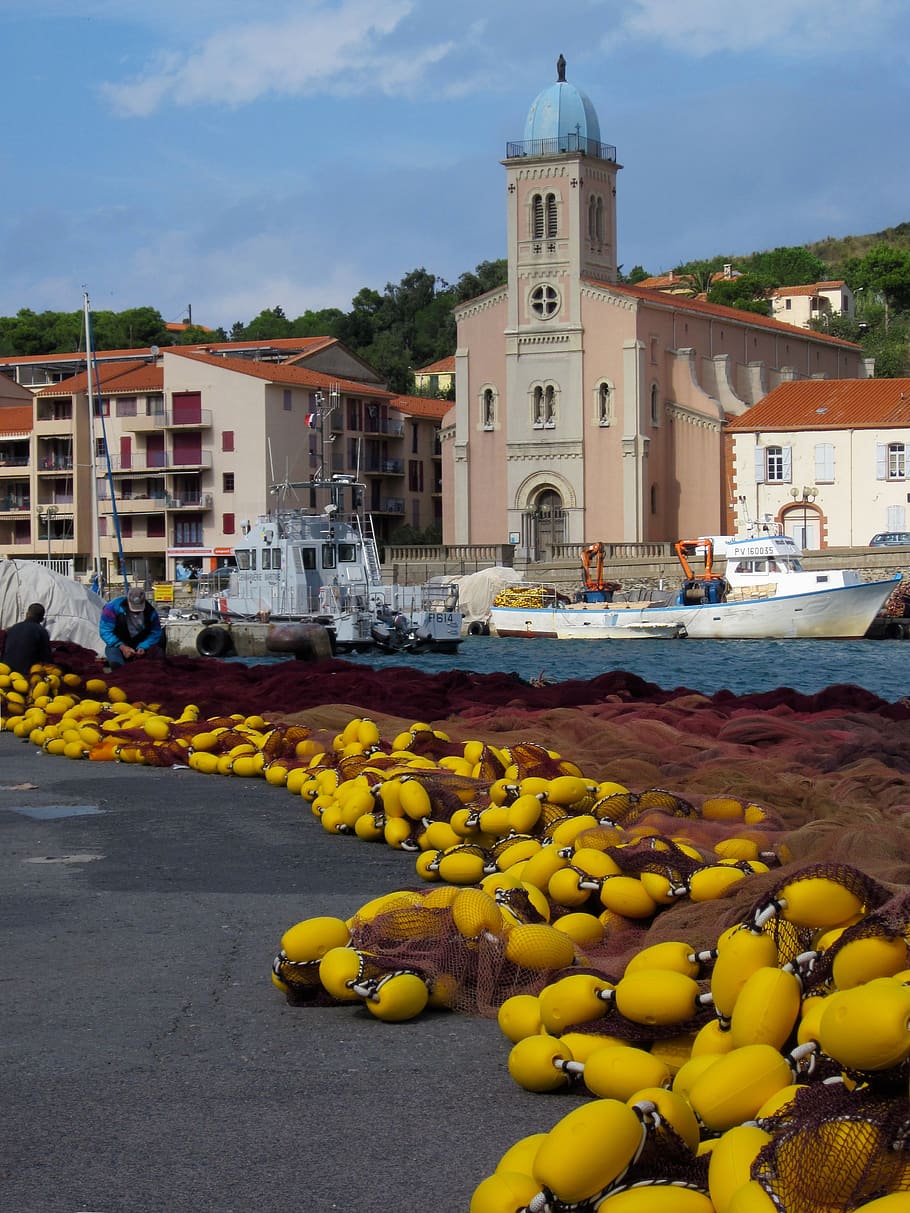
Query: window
[
  {"x": 415, "y": 475},
  {"x": 897, "y": 461},
  {"x": 126, "y": 406},
  {"x": 537, "y": 217},
  {"x": 227, "y": 524},
  {"x": 592, "y": 218},
  {"x": 227, "y": 440},
  {"x": 100, "y": 448},
  {"x": 544, "y": 302},
  {"x": 126, "y": 527},
  {"x": 286, "y": 400},
  {"x": 604, "y": 403},
  {"x": 551, "y": 214},
  {"x": 824, "y": 462},
  {"x": 154, "y": 406},
  {"x": 355, "y": 417},
  {"x": 773, "y": 464},
  {"x": 154, "y": 527},
  {"x": 328, "y": 555},
  {"x": 653, "y": 498},
  {"x": 655, "y": 404},
  {"x": 599, "y": 223},
  {"x": 788, "y": 303},
  {"x": 227, "y": 482},
  {"x": 414, "y": 437}
]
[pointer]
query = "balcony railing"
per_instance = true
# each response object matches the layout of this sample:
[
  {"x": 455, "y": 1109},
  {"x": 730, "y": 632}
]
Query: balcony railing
[
  {"x": 13, "y": 461},
  {"x": 389, "y": 505},
  {"x": 55, "y": 463},
  {"x": 570, "y": 142},
  {"x": 144, "y": 422},
  {"x": 140, "y": 462}
]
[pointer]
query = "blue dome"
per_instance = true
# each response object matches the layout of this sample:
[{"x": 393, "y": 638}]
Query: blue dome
[{"x": 560, "y": 112}]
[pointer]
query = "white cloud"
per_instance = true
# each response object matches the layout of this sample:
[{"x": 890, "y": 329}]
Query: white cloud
[
  {"x": 338, "y": 49},
  {"x": 791, "y": 28}
]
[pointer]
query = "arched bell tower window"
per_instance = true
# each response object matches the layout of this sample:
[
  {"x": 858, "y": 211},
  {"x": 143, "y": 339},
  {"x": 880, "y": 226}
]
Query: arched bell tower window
[
  {"x": 551, "y": 216},
  {"x": 655, "y": 404},
  {"x": 599, "y": 221},
  {"x": 537, "y": 217}
]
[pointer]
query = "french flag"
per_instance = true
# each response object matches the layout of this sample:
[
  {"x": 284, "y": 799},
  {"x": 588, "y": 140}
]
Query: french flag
[{"x": 311, "y": 420}]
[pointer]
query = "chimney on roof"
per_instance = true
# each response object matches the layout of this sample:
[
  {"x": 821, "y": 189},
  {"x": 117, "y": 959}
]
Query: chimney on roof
[
  {"x": 728, "y": 270},
  {"x": 670, "y": 276}
]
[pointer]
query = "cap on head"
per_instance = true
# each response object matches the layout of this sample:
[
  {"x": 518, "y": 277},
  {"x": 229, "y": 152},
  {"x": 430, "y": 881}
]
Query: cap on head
[{"x": 135, "y": 599}]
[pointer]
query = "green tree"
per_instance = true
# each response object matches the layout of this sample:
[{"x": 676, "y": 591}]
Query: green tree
[
  {"x": 637, "y": 274},
  {"x": 886, "y": 271},
  {"x": 746, "y": 292},
  {"x": 269, "y": 325},
  {"x": 786, "y": 266}
]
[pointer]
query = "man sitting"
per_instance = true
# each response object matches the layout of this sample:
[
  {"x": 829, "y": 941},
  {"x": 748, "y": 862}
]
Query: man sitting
[
  {"x": 130, "y": 627},
  {"x": 27, "y": 643}
]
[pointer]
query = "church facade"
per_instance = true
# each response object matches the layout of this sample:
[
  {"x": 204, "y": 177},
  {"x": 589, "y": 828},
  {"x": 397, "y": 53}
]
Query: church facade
[{"x": 588, "y": 409}]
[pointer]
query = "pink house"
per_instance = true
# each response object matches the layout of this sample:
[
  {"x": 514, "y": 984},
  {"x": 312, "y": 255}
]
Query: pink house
[{"x": 587, "y": 409}]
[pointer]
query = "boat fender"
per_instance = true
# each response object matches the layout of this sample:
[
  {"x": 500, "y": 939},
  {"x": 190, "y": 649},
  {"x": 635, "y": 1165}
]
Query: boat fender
[
  {"x": 894, "y": 631},
  {"x": 213, "y": 641},
  {"x": 307, "y": 641},
  {"x": 476, "y": 628},
  {"x": 402, "y": 624}
]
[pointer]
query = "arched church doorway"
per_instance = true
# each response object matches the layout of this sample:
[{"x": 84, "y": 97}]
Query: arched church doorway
[{"x": 545, "y": 526}]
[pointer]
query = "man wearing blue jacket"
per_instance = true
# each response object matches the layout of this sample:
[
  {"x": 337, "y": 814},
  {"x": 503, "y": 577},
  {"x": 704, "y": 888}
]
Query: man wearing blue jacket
[{"x": 130, "y": 627}]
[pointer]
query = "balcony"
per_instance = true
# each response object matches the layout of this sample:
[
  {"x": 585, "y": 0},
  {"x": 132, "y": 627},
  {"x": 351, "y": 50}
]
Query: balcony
[
  {"x": 141, "y": 462},
  {"x": 12, "y": 463},
  {"x": 568, "y": 142},
  {"x": 389, "y": 505},
  {"x": 54, "y": 463},
  {"x": 137, "y": 504},
  {"x": 154, "y": 422}
]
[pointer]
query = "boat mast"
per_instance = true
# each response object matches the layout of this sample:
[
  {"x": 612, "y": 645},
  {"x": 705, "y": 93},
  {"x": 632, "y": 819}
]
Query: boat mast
[{"x": 96, "y": 525}]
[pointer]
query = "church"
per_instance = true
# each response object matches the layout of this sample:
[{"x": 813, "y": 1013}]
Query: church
[{"x": 588, "y": 409}]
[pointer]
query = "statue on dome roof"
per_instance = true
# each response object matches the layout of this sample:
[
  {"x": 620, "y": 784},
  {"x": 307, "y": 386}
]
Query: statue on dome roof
[{"x": 561, "y": 69}]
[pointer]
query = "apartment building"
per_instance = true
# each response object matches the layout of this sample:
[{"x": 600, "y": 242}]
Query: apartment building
[{"x": 189, "y": 443}]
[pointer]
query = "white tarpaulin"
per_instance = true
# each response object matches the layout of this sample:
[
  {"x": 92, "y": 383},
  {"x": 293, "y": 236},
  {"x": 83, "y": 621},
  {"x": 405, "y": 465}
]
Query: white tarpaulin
[
  {"x": 476, "y": 591},
  {"x": 73, "y": 611}
]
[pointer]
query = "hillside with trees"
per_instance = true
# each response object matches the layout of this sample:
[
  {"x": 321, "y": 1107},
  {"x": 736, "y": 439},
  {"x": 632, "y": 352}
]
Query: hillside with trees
[{"x": 410, "y": 324}]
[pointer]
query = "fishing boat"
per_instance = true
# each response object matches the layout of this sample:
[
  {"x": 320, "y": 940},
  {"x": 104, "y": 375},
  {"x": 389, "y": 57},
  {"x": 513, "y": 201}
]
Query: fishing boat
[
  {"x": 298, "y": 568},
  {"x": 764, "y": 593}
]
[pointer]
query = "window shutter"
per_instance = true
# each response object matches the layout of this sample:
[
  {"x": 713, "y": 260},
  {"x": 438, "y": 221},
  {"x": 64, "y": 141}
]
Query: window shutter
[
  {"x": 824, "y": 462},
  {"x": 896, "y": 518},
  {"x": 787, "y": 461},
  {"x": 881, "y": 461},
  {"x": 759, "y": 465}
]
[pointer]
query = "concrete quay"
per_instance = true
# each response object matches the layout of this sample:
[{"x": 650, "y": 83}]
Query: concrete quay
[{"x": 149, "y": 1064}]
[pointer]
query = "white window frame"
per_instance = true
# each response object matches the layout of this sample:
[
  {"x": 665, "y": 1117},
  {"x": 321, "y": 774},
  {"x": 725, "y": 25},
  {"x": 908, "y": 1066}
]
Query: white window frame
[{"x": 824, "y": 463}]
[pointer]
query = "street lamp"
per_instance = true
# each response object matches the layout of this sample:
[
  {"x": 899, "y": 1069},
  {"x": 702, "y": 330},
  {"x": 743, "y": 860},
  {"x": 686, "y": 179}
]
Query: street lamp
[
  {"x": 807, "y": 494},
  {"x": 50, "y": 513}
]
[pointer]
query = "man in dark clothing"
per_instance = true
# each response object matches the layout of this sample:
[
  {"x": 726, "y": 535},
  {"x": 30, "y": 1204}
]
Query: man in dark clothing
[
  {"x": 27, "y": 643},
  {"x": 130, "y": 628}
]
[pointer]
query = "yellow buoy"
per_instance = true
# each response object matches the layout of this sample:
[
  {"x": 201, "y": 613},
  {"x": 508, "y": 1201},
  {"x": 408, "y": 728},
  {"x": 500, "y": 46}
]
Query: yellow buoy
[
  {"x": 503, "y": 1192},
  {"x": 532, "y": 1063},
  {"x": 399, "y": 997},
  {"x": 672, "y": 1108},
  {"x": 866, "y": 1028},
  {"x": 588, "y": 1150},
  {"x": 731, "y": 1162},
  {"x": 539, "y": 946},
  {"x": 313, "y": 937},
  {"x": 740, "y": 952},
  {"x": 475, "y": 912},
  {"x": 619, "y": 1071},
  {"x": 670, "y": 955},
  {"x": 817, "y": 902},
  {"x": 767, "y": 1008},
  {"x": 862, "y": 960},
  {"x": 657, "y": 996},
  {"x": 519, "y": 1016},
  {"x": 571, "y": 1001},
  {"x": 737, "y": 1084}
]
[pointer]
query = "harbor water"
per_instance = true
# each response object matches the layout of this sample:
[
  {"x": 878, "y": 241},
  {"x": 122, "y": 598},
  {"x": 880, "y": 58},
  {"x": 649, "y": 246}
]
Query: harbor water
[{"x": 740, "y": 666}]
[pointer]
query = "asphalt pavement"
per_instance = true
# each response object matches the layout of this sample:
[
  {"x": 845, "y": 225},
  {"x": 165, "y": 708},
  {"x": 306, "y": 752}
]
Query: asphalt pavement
[{"x": 149, "y": 1065}]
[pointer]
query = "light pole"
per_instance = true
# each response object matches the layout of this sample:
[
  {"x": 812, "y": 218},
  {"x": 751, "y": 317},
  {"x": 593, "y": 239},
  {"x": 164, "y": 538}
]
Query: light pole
[
  {"x": 50, "y": 513},
  {"x": 807, "y": 494}
]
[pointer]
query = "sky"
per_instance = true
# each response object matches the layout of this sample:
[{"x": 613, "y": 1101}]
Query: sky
[{"x": 231, "y": 156}]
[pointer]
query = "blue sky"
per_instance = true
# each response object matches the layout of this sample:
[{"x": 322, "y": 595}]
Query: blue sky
[{"x": 236, "y": 156}]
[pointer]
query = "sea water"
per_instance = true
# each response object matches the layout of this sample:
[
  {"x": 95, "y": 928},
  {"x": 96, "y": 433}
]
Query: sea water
[{"x": 740, "y": 666}]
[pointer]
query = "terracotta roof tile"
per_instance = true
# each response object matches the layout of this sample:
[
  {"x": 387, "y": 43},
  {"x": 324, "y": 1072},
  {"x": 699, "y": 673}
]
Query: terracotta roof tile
[
  {"x": 814, "y": 288},
  {"x": 730, "y": 314},
  {"x": 279, "y": 372},
  {"x": 445, "y": 366},
  {"x": 297, "y": 345},
  {"x": 422, "y": 406},
  {"x": 16, "y": 419},
  {"x": 830, "y": 404},
  {"x": 136, "y": 376}
]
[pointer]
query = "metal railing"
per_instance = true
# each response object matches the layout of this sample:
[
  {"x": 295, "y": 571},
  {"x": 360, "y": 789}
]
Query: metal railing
[{"x": 563, "y": 143}]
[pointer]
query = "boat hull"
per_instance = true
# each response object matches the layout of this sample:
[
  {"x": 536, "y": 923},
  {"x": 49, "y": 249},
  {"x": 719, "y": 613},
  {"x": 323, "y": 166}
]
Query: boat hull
[{"x": 840, "y": 613}]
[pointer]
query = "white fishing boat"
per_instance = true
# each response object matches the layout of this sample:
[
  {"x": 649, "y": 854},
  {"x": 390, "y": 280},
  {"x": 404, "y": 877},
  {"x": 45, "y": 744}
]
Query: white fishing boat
[
  {"x": 297, "y": 568},
  {"x": 764, "y": 594}
]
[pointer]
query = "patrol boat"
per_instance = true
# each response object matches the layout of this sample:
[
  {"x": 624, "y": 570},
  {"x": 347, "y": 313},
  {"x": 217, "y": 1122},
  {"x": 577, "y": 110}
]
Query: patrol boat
[{"x": 297, "y": 568}]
